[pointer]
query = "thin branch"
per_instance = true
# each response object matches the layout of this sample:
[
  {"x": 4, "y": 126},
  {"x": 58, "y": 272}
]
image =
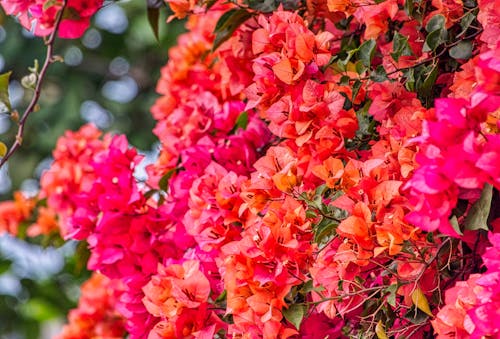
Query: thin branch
[{"x": 49, "y": 59}]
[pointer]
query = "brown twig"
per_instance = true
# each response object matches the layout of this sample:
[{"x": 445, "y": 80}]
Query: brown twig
[{"x": 49, "y": 59}]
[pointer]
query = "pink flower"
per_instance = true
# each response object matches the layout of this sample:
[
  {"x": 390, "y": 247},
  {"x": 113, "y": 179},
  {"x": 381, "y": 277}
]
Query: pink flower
[{"x": 40, "y": 16}]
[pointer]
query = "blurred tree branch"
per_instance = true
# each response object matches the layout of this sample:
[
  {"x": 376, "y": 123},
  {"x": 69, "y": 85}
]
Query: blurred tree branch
[{"x": 49, "y": 59}]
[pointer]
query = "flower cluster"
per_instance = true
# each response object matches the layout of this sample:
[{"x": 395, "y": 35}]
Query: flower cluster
[
  {"x": 303, "y": 166},
  {"x": 466, "y": 127},
  {"x": 12, "y": 213},
  {"x": 471, "y": 305},
  {"x": 96, "y": 315},
  {"x": 40, "y": 15}
]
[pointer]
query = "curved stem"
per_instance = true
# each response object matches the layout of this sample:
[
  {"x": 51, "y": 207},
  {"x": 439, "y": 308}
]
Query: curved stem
[{"x": 49, "y": 59}]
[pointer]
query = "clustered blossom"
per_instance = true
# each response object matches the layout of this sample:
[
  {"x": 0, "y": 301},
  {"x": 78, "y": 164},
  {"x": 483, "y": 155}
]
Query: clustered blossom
[
  {"x": 293, "y": 194},
  {"x": 39, "y": 16},
  {"x": 465, "y": 127},
  {"x": 96, "y": 315},
  {"x": 472, "y": 305}
]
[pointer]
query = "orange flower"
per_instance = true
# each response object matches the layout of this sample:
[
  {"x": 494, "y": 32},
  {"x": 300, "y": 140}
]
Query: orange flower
[
  {"x": 46, "y": 223},
  {"x": 330, "y": 171},
  {"x": 357, "y": 228},
  {"x": 180, "y": 8},
  {"x": 12, "y": 213}
]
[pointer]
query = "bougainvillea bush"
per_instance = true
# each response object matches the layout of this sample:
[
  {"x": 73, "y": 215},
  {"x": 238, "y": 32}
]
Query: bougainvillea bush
[{"x": 326, "y": 169}]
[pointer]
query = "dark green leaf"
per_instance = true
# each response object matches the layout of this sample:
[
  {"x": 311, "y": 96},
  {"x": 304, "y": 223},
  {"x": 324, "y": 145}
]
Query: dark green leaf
[
  {"x": 409, "y": 8},
  {"x": 409, "y": 75},
  {"x": 355, "y": 89},
  {"x": 4, "y": 265},
  {"x": 462, "y": 50},
  {"x": 221, "y": 297},
  {"x": 242, "y": 121},
  {"x": 4, "y": 93},
  {"x": 310, "y": 214},
  {"x": 307, "y": 287},
  {"x": 154, "y": 20},
  {"x": 478, "y": 214},
  {"x": 71, "y": 14},
  {"x": 430, "y": 77},
  {"x": 436, "y": 23},
  {"x": 400, "y": 46},
  {"x": 366, "y": 52},
  {"x": 364, "y": 120},
  {"x": 379, "y": 74},
  {"x": 432, "y": 41},
  {"x": 360, "y": 68},
  {"x": 264, "y": 6},
  {"x": 343, "y": 62},
  {"x": 416, "y": 316},
  {"x": 227, "y": 24},
  {"x": 210, "y": 3},
  {"x": 82, "y": 255},
  {"x": 163, "y": 183},
  {"x": 455, "y": 225},
  {"x": 466, "y": 21},
  {"x": 344, "y": 80},
  {"x": 223, "y": 20},
  {"x": 324, "y": 230},
  {"x": 150, "y": 193},
  {"x": 295, "y": 314}
]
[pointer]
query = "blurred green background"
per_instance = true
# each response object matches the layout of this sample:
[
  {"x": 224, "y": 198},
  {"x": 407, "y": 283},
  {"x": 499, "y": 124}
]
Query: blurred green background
[{"x": 108, "y": 77}]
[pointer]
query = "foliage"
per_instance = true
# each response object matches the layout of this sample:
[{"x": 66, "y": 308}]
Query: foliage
[{"x": 326, "y": 168}]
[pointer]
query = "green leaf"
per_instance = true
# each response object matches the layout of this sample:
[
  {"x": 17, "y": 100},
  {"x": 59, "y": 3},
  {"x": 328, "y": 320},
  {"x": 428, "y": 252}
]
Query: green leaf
[
  {"x": 427, "y": 79},
  {"x": 242, "y": 121},
  {"x": 409, "y": 8},
  {"x": 366, "y": 52},
  {"x": 466, "y": 21},
  {"x": 209, "y": 4},
  {"x": 432, "y": 41},
  {"x": 4, "y": 265},
  {"x": 360, "y": 68},
  {"x": 462, "y": 50},
  {"x": 150, "y": 193},
  {"x": 39, "y": 309},
  {"x": 324, "y": 230},
  {"x": 307, "y": 287},
  {"x": 264, "y": 6},
  {"x": 163, "y": 183},
  {"x": 227, "y": 24},
  {"x": 400, "y": 46},
  {"x": 478, "y": 214},
  {"x": 49, "y": 3},
  {"x": 379, "y": 74},
  {"x": 343, "y": 62},
  {"x": 4, "y": 93},
  {"x": 391, "y": 298},
  {"x": 409, "y": 74},
  {"x": 455, "y": 225},
  {"x": 154, "y": 20},
  {"x": 355, "y": 89},
  {"x": 71, "y": 14},
  {"x": 295, "y": 314},
  {"x": 436, "y": 23},
  {"x": 222, "y": 297},
  {"x": 310, "y": 214},
  {"x": 344, "y": 80}
]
